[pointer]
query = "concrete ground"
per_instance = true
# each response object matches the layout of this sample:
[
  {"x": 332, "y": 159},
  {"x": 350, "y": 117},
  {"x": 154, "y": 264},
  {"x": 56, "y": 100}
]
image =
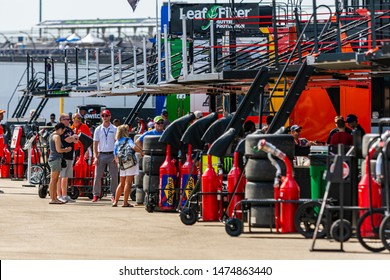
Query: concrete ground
[{"x": 31, "y": 229}]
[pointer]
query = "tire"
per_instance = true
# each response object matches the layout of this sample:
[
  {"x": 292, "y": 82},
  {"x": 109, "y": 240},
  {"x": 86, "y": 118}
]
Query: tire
[
  {"x": 368, "y": 234},
  {"x": 335, "y": 230},
  {"x": 139, "y": 160},
  {"x": 261, "y": 170},
  {"x": 74, "y": 192},
  {"x": 305, "y": 220},
  {"x": 140, "y": 195},
  {"x": 234, "y": 227},
  {"x": 42, "y": 191},
  {"x": 261, "y": 216},
  {"x": 154, "y": 184},
  {"x": 154, "y": 168},
  {"x": 384, "y": 232},
  {"x": 132, "y": 194},
  {"x": 151, "y": 145},
  {"x": 37, "y": 174},
  {"x": 188, "y": 216},
  {"x": 139, "y": 179},
  {"x": 283, "y": 142}
]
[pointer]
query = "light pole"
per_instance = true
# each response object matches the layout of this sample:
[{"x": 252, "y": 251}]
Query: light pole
[{"x": 40, "y": 19}]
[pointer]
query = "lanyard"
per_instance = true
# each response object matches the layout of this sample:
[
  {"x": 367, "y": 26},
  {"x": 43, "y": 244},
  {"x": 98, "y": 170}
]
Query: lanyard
[{"x": 106, "y": 133}]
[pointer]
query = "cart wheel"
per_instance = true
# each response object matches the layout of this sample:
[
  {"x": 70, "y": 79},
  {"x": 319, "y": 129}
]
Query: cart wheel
[
  {"x": 74, "y": 193},
  {"x": 37, "y": 174},
  {"x": 149, "y": 205},
  {"x": 90, "y": 195},
  {"x": 335, "y": 230},
  {"x": 234, "y": 227},
  {"x": 188, "y": 216},
  {"x": 133, "y": 194},
  {"x": 384, "y": 232},
  {"x": 305, "y": 220},
  {"x": 42, "y": 191},
  {"x": 367, "y": 230}
]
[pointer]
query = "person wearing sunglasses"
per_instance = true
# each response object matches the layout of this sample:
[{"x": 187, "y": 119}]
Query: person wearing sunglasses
[
  {"x": 78, "y": 127},
  {"x": 103, "y": 151},
  {"x": 157, "y": 130},
  {"x": 68, "y": 139}
]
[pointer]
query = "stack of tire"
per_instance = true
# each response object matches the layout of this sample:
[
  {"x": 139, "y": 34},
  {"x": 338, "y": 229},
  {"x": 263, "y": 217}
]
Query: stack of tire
[
  {"x": 260, "y": 174},
  {"x": 138, "y": 179},
  {"x": 154, "y": 156}
]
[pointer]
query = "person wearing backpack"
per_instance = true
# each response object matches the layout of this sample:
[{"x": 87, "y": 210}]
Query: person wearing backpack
[{"x": 124, "y": 154}]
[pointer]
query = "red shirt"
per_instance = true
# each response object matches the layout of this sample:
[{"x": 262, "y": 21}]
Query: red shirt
[
  {"x": 76, "y": 130},
  {"x": 341, "y": 138}
]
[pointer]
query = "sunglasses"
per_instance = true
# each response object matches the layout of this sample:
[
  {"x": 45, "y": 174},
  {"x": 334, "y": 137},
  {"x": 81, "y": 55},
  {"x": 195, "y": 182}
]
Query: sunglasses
[
  {"x": 298, "y": 131},
  {"x": 66, "y": 119},
  {"x": 104, "y": 116},
  {"x": 76, "y": 119},
  {"x": 160, "y": 123}
]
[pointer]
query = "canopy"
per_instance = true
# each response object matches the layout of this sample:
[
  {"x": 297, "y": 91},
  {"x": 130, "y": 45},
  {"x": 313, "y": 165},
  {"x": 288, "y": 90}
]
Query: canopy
[{"x": 91, "y": 39}]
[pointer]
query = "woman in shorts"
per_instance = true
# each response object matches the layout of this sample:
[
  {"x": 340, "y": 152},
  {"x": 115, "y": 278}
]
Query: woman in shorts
[
  {"x": 126, "y": 175},
  {"x": 55, "y": 158}
]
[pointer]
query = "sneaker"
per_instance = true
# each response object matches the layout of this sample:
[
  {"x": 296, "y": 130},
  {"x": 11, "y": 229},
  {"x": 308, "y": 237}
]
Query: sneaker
[
  {"x": 68, "y": 199},
  {"x": 112, "y": 199},
  {"x": 95, "y": 198},
  {"x": 62, "y": 199}
]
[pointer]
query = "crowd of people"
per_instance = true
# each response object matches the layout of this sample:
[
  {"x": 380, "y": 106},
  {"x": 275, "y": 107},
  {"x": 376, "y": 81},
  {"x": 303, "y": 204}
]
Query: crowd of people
[{"x": 64, "y": 145}]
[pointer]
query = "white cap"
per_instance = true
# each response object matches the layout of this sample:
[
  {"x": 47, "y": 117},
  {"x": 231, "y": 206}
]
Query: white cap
[{"x": 198, "y": 114}]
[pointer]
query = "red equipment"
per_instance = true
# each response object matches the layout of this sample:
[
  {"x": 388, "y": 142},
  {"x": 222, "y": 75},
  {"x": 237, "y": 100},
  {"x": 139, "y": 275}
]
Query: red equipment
[
  {"x": 168, "y": 176},
  {"x": 289, "y": 190},
  {"x": 188, "y": 179},
  {"x": 5, "y": 163},
  {"x": 18, "y": 153},
  {"x": 210, "y": 185},
  {"x": 35, "y": 153},
  {"x": 237, "y": 192},
  {"x": 80, "y": 170},
  {"x": 367, "y": 196}
]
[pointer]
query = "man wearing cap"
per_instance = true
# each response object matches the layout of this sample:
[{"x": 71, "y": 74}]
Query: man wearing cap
[
  {"x": 103, "y": 150},
  {"x": 352, "y": 122},
  {"x": 295, "y": 131},
  {"x": 164, "y": 115},
  {"x": 336, "y": 129},
  {"x": 157, "y": 130}
]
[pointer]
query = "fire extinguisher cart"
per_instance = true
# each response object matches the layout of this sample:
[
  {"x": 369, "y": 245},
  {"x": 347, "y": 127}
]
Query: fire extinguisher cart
[
  {"x": 369, "y": 204},
  {"x": 384, "y": 229},
  {"x": 284, "y": 203}
]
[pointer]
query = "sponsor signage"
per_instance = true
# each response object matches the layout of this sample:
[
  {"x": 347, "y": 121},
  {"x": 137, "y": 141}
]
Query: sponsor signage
[{"x": 199, "y": 16}]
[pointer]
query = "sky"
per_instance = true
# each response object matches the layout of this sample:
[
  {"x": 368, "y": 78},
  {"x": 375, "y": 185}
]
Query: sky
[{"x": 18, "y": 15}]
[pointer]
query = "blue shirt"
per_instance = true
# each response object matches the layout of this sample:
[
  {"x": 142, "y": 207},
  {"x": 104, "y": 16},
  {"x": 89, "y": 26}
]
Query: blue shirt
[
  {"x": 130, "y": 142},
  {"x": 150, "y": 132}
]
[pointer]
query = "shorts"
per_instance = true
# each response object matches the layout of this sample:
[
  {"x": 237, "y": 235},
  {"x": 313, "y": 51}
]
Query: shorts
[
  {"x": 55, "y": 165},
  {"x": 67, "y": 172},
  {"x": 130, "y": 171}
]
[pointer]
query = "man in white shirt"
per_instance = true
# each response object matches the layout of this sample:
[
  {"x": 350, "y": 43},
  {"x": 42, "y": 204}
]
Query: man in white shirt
[{"x": 103, "y": 150}]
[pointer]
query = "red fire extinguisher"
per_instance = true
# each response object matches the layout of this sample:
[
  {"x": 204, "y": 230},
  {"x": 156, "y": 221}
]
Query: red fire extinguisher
[
  {"x": 80, "y": 170},
  {"x": 35, "y": 154},
  {"x": 188, "y": 177},
  {"x": 168, "y": 176},
  {"x": 6, "y": 163},
  {"x": 235, "y": 187},
  {"x": 210, "y": 185},
  {"x": 367, "y": 197},
  {"x": 18, "y": 153},
  {"x": 289, "y": 190}
]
